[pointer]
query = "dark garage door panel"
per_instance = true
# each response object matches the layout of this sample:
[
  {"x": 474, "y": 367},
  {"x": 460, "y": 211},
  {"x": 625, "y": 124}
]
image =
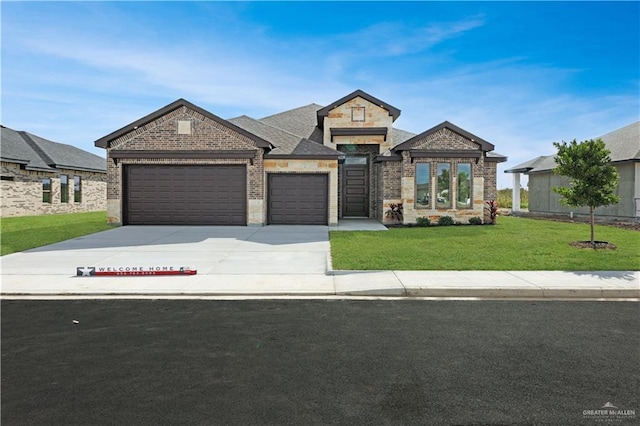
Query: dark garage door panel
[
  {"x": 298, "y": 199},
  {"x": 185, "y": 195}
]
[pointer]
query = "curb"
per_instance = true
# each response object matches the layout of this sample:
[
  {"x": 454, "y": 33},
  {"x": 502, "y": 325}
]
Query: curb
[{"x": 392, "y": 293}]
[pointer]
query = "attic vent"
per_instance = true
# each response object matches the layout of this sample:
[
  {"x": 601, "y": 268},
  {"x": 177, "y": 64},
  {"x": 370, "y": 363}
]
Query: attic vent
[
  {"x": 357, "y": 113},
  {"x": 184, "y": 127}
]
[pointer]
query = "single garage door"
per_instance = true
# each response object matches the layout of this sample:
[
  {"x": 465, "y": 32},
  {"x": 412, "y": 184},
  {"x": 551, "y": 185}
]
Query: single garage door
[
  {"x": 185, "y": 195},
  {"x": 298, "y": 199}
]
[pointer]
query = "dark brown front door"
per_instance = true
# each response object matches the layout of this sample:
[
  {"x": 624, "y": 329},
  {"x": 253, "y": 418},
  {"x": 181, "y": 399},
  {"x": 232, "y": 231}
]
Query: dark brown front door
[
  {"x": 298, "y": 199},
  {"x": 355, "y": 187},
  {"x": 185, "y": 195}
]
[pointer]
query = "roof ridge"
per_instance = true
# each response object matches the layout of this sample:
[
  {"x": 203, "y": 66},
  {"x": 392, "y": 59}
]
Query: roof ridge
[
  {"x": 281, "y": 129},
  {"x": 37, "y": 148},
  {"x": 289, "y": 110}
]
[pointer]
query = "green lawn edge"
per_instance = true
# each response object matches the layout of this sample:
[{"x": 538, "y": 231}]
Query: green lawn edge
[
  {"x": 513, "y": 244},
  {"x": 26, "y": 232}
]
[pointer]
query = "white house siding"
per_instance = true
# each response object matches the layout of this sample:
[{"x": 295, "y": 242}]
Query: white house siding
[{"x": 542, "y": 198}]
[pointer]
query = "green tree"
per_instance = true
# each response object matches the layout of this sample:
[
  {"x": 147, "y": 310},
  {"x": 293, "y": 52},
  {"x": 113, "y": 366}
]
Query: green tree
[{"x": 592, "y": 178}]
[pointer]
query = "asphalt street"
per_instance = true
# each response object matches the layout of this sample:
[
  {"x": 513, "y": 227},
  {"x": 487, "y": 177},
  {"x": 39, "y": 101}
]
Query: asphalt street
[{"x": 387, "y": 362}]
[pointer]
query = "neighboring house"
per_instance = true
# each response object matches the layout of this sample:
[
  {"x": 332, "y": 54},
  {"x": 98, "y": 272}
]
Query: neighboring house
[
  {"x": 43, "y": 177},
  {"x": 624, "y": 145},
  {"x": 310, "y": 165}
]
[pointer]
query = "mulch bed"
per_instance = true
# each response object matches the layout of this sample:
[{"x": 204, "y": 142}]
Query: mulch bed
[
  {"x": 598, "y": 245},
  {"x": 630, "y": 225}
]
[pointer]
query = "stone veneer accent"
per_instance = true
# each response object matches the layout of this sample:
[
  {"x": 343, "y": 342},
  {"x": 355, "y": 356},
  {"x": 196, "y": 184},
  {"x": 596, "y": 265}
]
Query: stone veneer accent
[
  {"x": 23, "y": 195},
  {"x": 329, "y": 167},
  {"x": 375, "y": 116},
  {"x": 162, "y": 135}
]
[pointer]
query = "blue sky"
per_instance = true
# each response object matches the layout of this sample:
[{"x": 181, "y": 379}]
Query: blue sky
[{"x": 518, "y": 74}]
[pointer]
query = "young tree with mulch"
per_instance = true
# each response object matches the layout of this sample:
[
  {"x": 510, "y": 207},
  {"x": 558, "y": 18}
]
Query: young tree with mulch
[{"x": 592, "y": 178}]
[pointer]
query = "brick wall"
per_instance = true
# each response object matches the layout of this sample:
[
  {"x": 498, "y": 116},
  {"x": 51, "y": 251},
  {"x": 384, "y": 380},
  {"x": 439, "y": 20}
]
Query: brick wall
[
  {"x": 389, "y": 185},
  {"x": 22, "y": 196},
  {"x": 162, "y": 134},
  {"x": 444, "y": 139},
  {"x": 490, "y": 184}
]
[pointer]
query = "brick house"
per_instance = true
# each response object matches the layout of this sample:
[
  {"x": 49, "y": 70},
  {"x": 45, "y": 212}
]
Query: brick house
[
  {"x": 309, "y": 165},
  {"x": 40, "y": 177}
]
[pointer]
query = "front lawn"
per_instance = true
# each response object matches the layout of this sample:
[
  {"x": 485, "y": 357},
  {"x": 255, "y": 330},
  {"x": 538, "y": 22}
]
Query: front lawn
[
  {"x": 23, "y": 233},
  {"x": 513, "y": 244}
]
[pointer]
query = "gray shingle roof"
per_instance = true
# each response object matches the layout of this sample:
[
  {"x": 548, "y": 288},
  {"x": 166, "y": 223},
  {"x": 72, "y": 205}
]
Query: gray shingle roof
[
  {"x": 298, "y": 121},
  {"x": 37, "y": 153},
  {"x": 400, "y": 136},
  {"x": 14, "y": 149},
  {"x": 302, "y": 122},
  {"x": 624, "y": 144},
  {"x": 285, "y": 143}
]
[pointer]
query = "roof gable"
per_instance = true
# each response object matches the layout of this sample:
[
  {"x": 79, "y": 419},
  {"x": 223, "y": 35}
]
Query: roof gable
[
  {"x": 37, "y": 153},
  {"x": 406, "y": 145},
  {"x": 323, "y": 112},
  {"x": 622, "y": 144},
  {"x": 105, "y": 141}
]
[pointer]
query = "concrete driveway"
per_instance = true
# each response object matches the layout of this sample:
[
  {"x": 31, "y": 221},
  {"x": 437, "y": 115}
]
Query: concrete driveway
[{"x": 258, "y": 257}]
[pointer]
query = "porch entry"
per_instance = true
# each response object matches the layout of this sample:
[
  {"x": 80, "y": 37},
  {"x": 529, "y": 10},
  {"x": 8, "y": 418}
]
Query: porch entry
[{"x": 355, "y": 186}]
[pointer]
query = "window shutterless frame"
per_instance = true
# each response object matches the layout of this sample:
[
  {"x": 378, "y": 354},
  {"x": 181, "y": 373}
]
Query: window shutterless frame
[
  {"x": 464, "y": 198},
  {"x": 46, "y": 190},
  {"x": 64, "y": 188},
  {"x": 443, "y": 190},
  {"x": 423, "y": 184},
  {"x": 77, "y": 189}
]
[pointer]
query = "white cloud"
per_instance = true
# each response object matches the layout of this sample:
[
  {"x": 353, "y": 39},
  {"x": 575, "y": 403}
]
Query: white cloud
[{"x": 98, "y": 80}]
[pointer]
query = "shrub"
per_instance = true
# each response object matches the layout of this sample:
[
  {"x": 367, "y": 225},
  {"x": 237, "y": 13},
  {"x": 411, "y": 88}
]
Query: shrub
[
  {"x": 475, "y": 221},
  {"x": 445, "y": 221},
  {"x": 423, "y": 221},
  {"x": 492, "y": 206},
  {"x": 394, "y": 212}
]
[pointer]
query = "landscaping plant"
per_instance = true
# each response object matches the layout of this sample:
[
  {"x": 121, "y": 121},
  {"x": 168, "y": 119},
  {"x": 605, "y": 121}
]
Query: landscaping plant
[
  {"x": 475, "y": 221},
  {"x": 423, "y": 221},
  {"x": 445, "y": 221},
  {"x": 395, "y": 212},
  {"x": 492, "y": 206},
  {"x": 592, "y": 178}
]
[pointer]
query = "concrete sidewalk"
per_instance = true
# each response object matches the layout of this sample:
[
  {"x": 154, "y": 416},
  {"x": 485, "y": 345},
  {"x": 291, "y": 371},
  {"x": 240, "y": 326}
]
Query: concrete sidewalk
[{"x": 480, "y": 284}]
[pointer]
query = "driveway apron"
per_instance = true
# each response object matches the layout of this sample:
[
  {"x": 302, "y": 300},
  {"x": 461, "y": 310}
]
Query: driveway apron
[{"x": 223, "y": 256}]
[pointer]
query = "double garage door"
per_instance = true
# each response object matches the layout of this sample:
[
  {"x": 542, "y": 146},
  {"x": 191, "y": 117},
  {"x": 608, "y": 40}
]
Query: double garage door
[
  {"x": 185, "y": 195},
  {"x": 217, "y": 195}
]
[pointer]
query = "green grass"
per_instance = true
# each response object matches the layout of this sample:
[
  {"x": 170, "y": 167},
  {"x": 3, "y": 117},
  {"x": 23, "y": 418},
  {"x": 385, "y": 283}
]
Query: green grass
[
  {"x": 513, "y": 244},
  {"x": 26, "y": 232}
]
